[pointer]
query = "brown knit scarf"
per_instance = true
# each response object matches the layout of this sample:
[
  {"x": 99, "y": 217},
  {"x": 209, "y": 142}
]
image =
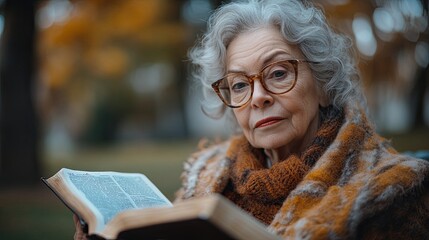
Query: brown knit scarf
[{"x": 261, "y": 191}]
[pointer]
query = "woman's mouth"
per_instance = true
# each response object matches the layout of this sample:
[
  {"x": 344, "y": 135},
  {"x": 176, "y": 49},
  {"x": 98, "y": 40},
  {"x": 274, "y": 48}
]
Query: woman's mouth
[{"x": 267, "y": 122}]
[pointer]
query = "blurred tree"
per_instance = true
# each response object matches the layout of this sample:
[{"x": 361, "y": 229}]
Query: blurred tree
[
  {"x": 89, "y": 58},
  {"x": 388, "y": 65},
  {"x": 19, "y": 158},
  {"x": 106, "y": 62}
]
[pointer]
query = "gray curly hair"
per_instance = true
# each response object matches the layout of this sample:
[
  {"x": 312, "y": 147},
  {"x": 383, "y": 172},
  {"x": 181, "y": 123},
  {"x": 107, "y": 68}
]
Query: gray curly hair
[{"x": 299, "y": 23}]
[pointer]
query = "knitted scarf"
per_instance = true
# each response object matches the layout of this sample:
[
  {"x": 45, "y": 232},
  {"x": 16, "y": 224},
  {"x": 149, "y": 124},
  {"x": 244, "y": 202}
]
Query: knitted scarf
[
  {"x": 358, "y": 187},
  {"x": 261, "y": 191}
]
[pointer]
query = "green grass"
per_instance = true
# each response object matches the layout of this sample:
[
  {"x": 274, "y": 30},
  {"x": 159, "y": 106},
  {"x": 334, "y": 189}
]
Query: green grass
[{"x": 36, "y": 221}]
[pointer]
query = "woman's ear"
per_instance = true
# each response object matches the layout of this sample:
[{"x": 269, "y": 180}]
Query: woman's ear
[
  {"x": 322, "y": 96},
  {"x": 323, "y": 101}
]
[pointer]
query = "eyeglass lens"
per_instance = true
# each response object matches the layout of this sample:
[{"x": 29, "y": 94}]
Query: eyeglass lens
[{"x": 236, "y": 88}]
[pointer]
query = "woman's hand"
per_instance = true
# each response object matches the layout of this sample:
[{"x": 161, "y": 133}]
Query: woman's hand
[{"x": 79, "y": 234}]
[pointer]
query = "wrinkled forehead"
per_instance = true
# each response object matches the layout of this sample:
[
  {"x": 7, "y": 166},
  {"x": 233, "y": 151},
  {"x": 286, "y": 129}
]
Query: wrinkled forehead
[{"x": 256, "y": 48}]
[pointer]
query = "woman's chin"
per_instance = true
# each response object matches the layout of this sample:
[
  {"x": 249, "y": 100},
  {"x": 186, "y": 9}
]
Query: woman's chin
[{"x": 272, "y": 142}]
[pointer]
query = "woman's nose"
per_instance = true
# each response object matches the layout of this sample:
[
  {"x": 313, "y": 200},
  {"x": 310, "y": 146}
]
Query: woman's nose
[{"x": 261, "y": 97}]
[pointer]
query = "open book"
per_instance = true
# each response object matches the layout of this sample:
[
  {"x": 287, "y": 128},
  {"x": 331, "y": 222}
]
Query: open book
[{"x": 113, "y": 205}]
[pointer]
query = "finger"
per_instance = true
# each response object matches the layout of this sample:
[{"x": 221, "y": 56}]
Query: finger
[{"x": 76, "y": 222}]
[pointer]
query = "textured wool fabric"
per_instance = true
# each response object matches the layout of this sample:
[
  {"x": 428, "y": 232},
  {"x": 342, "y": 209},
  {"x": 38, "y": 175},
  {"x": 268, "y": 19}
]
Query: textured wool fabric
[
  {"x": 358, "y": 188},
  {"x": 261, "y": 191}
]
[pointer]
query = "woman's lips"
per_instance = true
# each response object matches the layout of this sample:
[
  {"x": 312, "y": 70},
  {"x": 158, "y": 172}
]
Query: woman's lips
[{"x": 267, "y": 121}]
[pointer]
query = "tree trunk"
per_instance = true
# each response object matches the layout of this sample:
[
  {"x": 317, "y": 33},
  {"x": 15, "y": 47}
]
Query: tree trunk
[
  {"x": 418, "y": 97},
  {"x": 19, "y": 163}
]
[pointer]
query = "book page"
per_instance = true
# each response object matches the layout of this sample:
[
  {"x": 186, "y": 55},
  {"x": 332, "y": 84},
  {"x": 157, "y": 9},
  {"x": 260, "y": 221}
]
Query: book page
[
  {"x": 141, "y": 194},
  {"x": 111, "y": 192}
]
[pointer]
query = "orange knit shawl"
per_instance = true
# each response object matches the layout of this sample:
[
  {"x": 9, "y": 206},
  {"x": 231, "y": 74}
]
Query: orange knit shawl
[
  {"x": 359, "y": 187},
  {"x": 261, "y": 191}
]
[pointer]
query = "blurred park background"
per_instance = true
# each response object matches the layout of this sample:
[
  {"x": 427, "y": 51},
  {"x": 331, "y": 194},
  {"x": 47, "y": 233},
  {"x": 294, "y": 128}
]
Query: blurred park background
[{"x": 103, "y": 85}]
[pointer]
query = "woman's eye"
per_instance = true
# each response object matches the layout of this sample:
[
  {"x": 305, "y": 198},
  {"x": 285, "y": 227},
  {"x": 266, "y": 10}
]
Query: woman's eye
[
  {"x": 279, "y": 74},
  {"x": 239, "y": 86}
]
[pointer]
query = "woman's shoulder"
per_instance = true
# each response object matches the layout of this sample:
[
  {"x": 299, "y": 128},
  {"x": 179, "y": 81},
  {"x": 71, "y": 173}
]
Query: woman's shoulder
[
  {"x": 396, "y": 177},
  {"x": 399, "y": 190},
  {"x": 206, "y": 170},
  {"x": 209, "y": 150},
  {"x": 400, "y": 162},
  {"x": 398, "y": 171}
]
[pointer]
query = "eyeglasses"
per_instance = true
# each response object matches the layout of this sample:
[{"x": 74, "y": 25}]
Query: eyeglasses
[{"x": 236, "y": 89}]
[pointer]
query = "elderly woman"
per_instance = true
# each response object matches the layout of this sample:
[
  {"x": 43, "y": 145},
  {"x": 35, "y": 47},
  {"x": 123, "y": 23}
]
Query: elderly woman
[{"x": 306, "y": 161}]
